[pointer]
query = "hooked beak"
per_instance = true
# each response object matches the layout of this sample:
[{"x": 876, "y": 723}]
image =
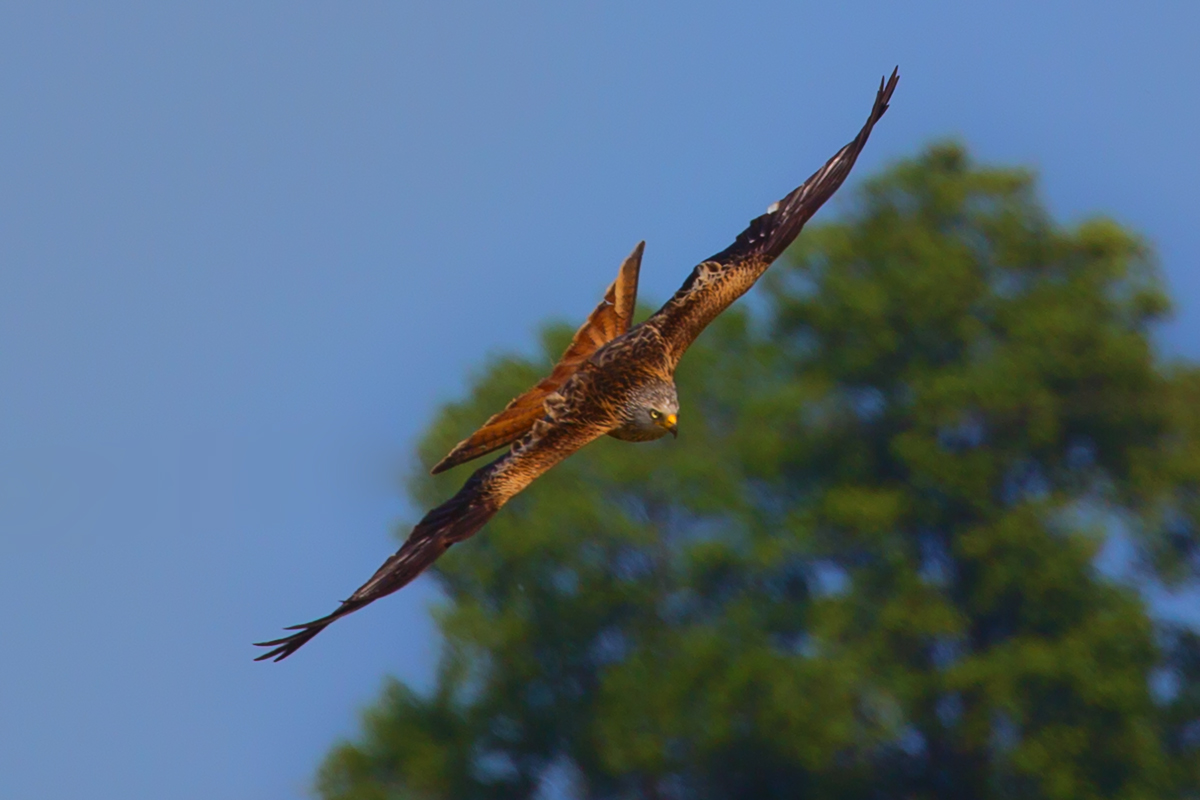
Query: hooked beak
[{"x": 671, "y": 423}]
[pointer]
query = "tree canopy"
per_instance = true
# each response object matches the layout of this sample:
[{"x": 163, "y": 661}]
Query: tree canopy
[{"x": 867, "y": 567}]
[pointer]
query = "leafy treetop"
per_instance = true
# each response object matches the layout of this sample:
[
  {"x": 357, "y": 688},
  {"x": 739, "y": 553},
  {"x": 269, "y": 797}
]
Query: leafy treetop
[{"x": 866, "y": 568}]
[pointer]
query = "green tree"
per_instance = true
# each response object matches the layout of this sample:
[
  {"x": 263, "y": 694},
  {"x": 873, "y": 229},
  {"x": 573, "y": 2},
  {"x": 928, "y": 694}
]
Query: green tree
[{"x": 866, "y": 569}]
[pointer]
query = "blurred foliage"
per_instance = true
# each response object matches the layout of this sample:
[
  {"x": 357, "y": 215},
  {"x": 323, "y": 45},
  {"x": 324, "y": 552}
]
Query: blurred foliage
[{"x": 866, "y": 569}]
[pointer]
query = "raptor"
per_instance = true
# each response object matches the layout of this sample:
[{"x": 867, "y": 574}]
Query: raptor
[{"x": 614, "y": 379}]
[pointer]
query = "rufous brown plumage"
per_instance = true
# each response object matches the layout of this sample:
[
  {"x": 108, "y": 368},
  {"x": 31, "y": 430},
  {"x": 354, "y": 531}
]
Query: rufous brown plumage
[{"x": 613, "y": 379}]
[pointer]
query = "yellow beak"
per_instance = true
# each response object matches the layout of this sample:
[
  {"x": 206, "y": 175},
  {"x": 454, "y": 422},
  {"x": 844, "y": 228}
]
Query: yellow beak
[{"x": 670, "y": 422}]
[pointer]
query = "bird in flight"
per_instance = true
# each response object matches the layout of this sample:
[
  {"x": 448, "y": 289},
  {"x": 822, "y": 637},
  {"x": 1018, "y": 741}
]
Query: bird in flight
[{"x": 613, "y": 379}]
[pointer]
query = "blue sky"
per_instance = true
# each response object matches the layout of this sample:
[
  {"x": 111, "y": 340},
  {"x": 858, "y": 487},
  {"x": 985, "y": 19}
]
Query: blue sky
[{"x": 247, "y": 249}]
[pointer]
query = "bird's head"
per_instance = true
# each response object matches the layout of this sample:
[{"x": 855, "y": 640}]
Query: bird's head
[{"x": 653, "y": 413}]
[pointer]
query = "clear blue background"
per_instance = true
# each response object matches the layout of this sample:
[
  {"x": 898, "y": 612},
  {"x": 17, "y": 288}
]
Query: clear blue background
[{"x": 247, "y": 249}]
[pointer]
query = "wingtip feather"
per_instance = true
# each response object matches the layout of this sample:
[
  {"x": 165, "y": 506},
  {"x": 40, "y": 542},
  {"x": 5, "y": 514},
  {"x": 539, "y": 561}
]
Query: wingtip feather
[{"x": 287, "y": 645}]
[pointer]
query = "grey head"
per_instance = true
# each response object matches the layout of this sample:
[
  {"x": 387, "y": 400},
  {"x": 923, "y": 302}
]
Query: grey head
[{"x": 651, "y": 413}]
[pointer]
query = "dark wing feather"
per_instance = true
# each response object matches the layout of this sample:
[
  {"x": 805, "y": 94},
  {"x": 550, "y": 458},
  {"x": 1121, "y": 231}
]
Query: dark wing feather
[
  {"x": 610, "y": 319},
  {"x": 550, "y": 440},
  {"x": 455, "y": 520},
  {"x": 714, "y": 284}
]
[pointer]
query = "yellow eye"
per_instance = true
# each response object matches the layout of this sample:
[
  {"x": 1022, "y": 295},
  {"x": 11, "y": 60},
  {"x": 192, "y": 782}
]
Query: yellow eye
[{"x": 654, "y": 414}]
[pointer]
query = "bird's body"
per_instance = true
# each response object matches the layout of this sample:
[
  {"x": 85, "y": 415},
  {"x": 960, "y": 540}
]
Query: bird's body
[{"x": 614, "y": 379}]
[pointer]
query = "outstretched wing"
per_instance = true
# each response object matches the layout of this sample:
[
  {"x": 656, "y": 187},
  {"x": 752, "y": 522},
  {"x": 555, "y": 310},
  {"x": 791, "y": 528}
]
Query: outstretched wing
[
  {"x": 551, "y": 439},
  {"x": 610, "y": 319},
  {"x": 726, "y": 276}
]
